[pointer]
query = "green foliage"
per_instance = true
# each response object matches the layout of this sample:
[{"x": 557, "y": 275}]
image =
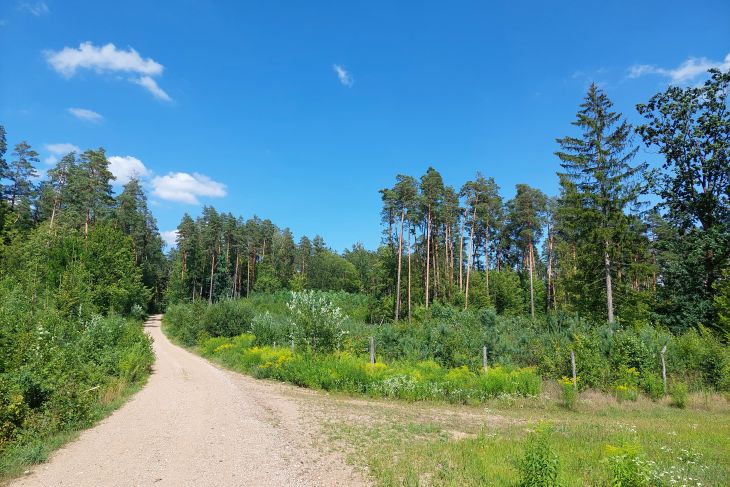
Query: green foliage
[
  {"x": 679, "y": 394},
  {"x": 344, "y": 371},
  {"x": 627, "y": 467},
  {"x": 606, "y": 357},
  {"x": 569, "y": 391},
  {"x": 539, "y": 466},
  {"x": 317, "y": 322},
  {"x": 60, "y": 370}
]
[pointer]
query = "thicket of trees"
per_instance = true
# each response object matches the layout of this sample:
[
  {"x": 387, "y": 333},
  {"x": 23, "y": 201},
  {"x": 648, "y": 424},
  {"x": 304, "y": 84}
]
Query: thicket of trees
[
  {"x": 75, "y": 262},
  {"x": 598, "y": 248},
  {"x": 86, "y": 235}
]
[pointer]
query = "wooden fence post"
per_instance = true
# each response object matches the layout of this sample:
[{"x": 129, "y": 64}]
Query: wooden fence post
[
  {"x": 372, "y": 350},
  {"x": 664, "y": 368},
  {"x": 572, "y": 363},
  {"x": 484, "y": 358}
]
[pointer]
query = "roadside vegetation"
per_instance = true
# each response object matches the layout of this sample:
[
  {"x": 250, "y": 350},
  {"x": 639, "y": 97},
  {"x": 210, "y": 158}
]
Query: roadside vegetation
[
  {"x": 522, "y": 423},
  {"x": 79, "y": 270}
]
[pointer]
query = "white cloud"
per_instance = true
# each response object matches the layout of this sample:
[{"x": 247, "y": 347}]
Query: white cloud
[
  {"x": 57, "y": 150},
  {"x": 169, "y": 237},
  {"x": 126, "y": 167},
  {"x": 185, "y": 188},
  {"x": 688, "y": 71},
  {"x": 152, "y": 86},
  {"x": 342, "y": 74},
  {"x": 108, "y": 59},
  {"x": 36, "y": 8},
  {"x": 86, "y": 114}
]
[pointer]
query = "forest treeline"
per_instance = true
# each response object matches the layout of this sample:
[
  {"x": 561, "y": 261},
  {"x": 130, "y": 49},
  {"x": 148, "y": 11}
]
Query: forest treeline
[{"x": 597, "y": 249}]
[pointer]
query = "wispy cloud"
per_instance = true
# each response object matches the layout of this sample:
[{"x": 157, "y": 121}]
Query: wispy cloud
[
  {"x": 85, "y": 114},
  {"x": 343, "y": 75},
  {"x": 108, "y": 59},
  {"x": 169, "y": 237},
  {"x": 35, "y": 8},
  {"x": 152, "y": 86},
  {"x": 125, "y": 168},
  {"x": 686, "y": 72},
  {"x": 58, "y": 150},
  {"x": 182, "y": 187}
]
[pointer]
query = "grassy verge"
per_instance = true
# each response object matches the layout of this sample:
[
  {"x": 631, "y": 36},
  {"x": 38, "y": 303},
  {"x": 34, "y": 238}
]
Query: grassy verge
[
  {"x": 465, "y": 446},
  {"x": 345, "y": 372},
  {"x": 20, "y": 456},
  {"x": 435, "y": 443},
  {"x": 63, "y": 378}
]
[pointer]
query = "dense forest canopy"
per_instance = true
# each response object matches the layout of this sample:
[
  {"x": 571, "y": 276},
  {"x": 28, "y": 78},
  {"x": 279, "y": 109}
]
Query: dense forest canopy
[{"x": 596, "y": 249}]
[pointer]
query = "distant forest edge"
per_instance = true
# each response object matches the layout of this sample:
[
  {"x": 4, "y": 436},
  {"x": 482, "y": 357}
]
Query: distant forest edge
[{"x": 595, "y": 249}]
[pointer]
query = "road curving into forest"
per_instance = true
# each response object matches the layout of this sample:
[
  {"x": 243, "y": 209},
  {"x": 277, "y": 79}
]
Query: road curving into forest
[{"x": 197, "y": 424}]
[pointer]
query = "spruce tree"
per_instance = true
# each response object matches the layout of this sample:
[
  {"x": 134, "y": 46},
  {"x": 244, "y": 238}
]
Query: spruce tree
[{"x": 598, "y": 164}]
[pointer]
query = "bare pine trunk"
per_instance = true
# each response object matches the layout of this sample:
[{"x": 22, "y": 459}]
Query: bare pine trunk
[
  {"x": 400, "y": 255},
  {"x": 86, "y": 223},
  {"x": 428, "y": 253},
  {"x": 409, "y": 272},
  {"x": 550, "y": 290},
  {"x": 486, "y": 258},
  {"x": 235, "y": 278},
  {"x": 471, "y": 257},
  {"x": 609, "y": 287},
  {"x": 210, "y": 288},
  {"x": 461, "y": 253},
  {"x": 531, "y": 265}
]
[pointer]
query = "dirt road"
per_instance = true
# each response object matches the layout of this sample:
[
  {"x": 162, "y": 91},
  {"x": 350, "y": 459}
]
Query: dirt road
[{"x": 196, "y": 424}]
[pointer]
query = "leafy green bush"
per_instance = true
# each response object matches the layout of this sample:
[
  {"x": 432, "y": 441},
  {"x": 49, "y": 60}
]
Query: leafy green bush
[
  {"x": 454, "y": 337},
  {"x": 680, "y": 394},
  {"x": 539, "y": 466},
  {"x": 653, "y": 385},
  {"x": 317, "y": 322},
  {"x": 569, "y": 392},
  {"x": 627, "y": 467}
]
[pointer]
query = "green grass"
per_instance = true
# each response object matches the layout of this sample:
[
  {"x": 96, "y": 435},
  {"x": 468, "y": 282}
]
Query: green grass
[
  {"x": 26, "y": 452},
  {"x": 419, "y": 448}
]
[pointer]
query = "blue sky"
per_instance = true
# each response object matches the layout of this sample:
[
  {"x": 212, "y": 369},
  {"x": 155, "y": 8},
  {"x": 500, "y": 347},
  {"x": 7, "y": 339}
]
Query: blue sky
[{"x": 300, "y": 111}]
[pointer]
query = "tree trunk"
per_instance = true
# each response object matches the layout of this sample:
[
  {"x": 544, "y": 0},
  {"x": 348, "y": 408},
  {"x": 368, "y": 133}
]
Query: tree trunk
[
  {"x": 609, "y": 286},
  {"x": 86, "y": 223},
  {"x": 428, "y": 252},
  {"x": 531, "y": 265},
  {"x": 248, "y": 275},
  {"x": 409, "y": 271},
  {"x": 53, "y": 212},
  {"x": 210, "y": 288},
  {"x": 400, "y": 255},
  {"x": 235, "y": 277},
  {"x": 461, "y": 253},
  {"x": 486, "y": 258},
  {"x": 471, "y": 256},
  {"x": 550, "y": 290}
]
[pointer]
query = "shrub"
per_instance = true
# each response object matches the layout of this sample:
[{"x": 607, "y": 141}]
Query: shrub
[
  {"x": 569, "y": 396},
  {"x": 539, "y": 466},
  {"x": 318, "y": 323},
  {"x": 627, "y": 467},
  {"x": 270, "y": 329},
  {"x": 653, "y": 385},
  {"x": 680, "y": 395},
  {"x": 626, "y": 387}
]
